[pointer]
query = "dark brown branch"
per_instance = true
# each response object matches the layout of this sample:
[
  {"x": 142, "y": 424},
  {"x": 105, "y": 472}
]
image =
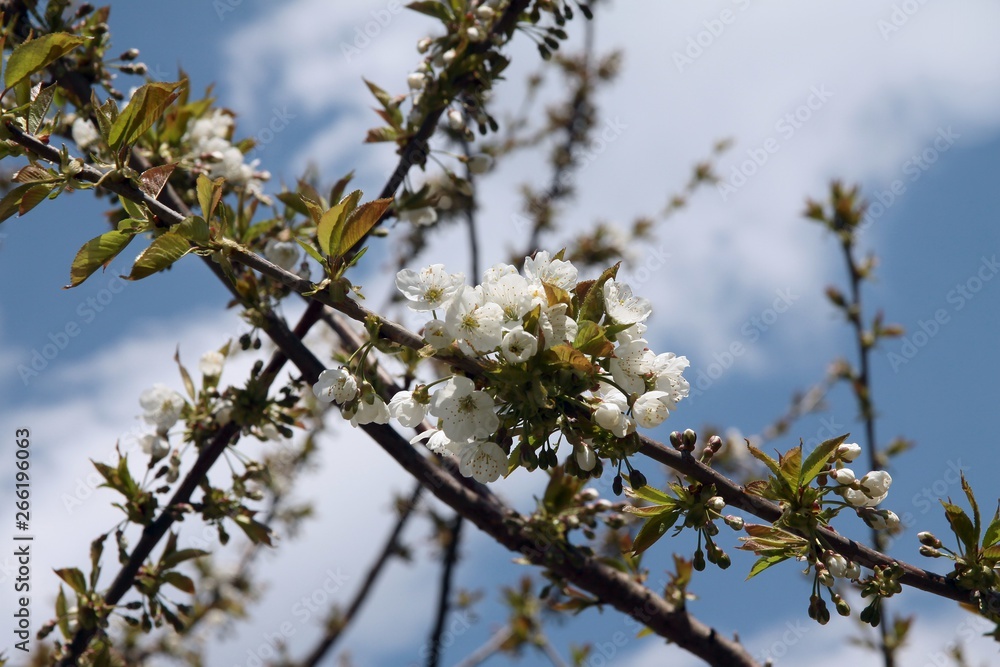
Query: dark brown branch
[{"x": 155, "y": 531}]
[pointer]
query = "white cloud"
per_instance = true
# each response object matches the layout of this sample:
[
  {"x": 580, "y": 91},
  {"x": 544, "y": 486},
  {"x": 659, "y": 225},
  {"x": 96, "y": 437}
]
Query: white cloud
[{"x": 884, "y": 100}]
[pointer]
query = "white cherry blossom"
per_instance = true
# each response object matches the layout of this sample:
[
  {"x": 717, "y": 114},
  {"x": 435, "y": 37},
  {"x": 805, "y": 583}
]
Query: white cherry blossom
[
  {"x": 474, "y": 321},
  {"x": 406, "y": 410},
  {"x": 336, "y": 384},
  {"x": 430, "y": 288},
  {"x": 622, "y": 306},
  {"x": 162, "y": 407},
  {"x": 518, "y": 345}
]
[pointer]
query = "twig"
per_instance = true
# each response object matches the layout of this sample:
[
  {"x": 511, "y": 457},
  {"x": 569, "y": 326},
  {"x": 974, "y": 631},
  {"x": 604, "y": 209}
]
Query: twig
[
  {"x": 444, "y": 596},
  {"x": 335, "y": 630},
  {"x": 484, "y": 652}
]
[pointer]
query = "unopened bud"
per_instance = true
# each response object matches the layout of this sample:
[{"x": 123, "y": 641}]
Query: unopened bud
[{"x": 928, "y": 539}]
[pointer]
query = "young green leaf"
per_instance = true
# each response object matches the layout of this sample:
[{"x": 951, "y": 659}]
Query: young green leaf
[
  {"x": 962, "y": 526},
  {"x": 654, "y": 528},
  {"x": 818, "y": 459},
  {"x": 74, "y": 577},
  {"x": 360, "y": 222},
  {"x": 332, "y": 222},
  {"x": 39, "y": 107},
  {"x": 592, "y": 308},
  {"x": 36, "y": 55},
  {"x": 763, "y": 563},
  {"x": 11, "y": 202},
  {"x": 95, "y": 253},
  {"x": 209, "y": 195},
  {"x": 161, "y": 253},
  {"x": 143, "y": 110}
]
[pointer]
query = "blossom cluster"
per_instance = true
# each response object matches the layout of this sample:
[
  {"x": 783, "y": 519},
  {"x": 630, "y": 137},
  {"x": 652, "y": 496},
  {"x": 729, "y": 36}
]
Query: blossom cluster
[
  {"x": 865, "y": 492},
  {"x": 550, "y": 368},
  {"x": 210, "y": 147}
]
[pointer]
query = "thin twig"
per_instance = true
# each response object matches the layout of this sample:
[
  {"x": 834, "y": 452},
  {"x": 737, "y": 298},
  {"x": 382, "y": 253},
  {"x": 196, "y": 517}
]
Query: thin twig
[
  {"x": 444, "y": 595},
  {"x": 335, "y": 630}
]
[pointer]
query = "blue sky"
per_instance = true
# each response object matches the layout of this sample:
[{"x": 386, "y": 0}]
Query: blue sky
[{"x": 875, "y": 106}]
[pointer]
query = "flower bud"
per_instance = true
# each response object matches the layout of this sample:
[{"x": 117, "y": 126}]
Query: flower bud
[
  {"x": 848, "y": 451},
  {"x": 715, "y": 503},
  {"x": 734, "y": 522},
  {"x": 844, "y": 476},
  {"x": 926, "y": 538},
  {"x": 930, "y": 552},
  {"x": 689, "y": 439},
  {"x": 843, "y": 608},
  {"x": 675, "y": 440},
  {"x": 714, "y": 444},
  {"x": 637, "y": 479}
]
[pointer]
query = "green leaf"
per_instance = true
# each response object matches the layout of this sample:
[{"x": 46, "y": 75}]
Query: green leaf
[
  {"x": 653, "y": 530},
  {"x": 189, "y": 388},
  {"x": 39, "y": 107},
  {"x": 209, "y": 195},
  {"x": 179, "y": 581},
  {"x": 11, "y": 202},
  {"x": 360, "y": 222},
  {"x": 33, "y": 197},
  {"x": 135, "y": 211},
  {"x": 380, "y": 134},
  {"x": 62, "y": 614},
  {"x": 293, "y": 200},
  {"x": 337, "y": 191},
  {"x": 649, "y": 494},
  {"x": 310, "y": 250},
  {"x": 818, "y": 459},
  {"x": 194, "y": 228},
  {"x": 256, "y": 531},
  {"x": 592, "y": 308},
  {"x": 95, "y": 253},
  {"x": 434, "y": 9},
  {"x": 180, "y": 556},
  {"x": 331, "y": 224},
  {"x": 74, "y": 577},
  {"x": 773, "y": 467},
  {"x": 145, "y": 108},
  {"x": 590, "y": 339},
  {"x": 977, "y": 524},
  {"x": 791, "y": 464},
  {"x": 763, "y": 563},
  {"x": 993, "y": 530},
  {"x": 992, "y": 553},
  {"x": 36, "y": 55},
  {"x": 161, "y": 253},
  {"x": 962, "y": 526}
]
